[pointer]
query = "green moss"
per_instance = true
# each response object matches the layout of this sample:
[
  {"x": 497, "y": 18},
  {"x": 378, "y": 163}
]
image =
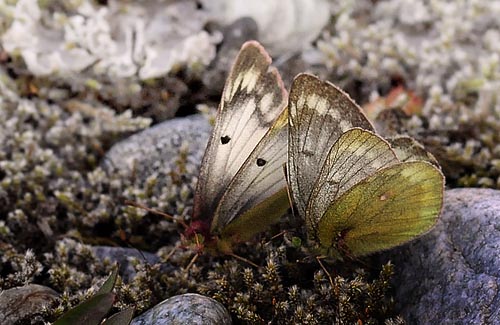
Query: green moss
[{"x": 286, "y": 290}]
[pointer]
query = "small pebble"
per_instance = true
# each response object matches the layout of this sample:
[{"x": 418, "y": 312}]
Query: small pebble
[{"x": 189, "y": 308}]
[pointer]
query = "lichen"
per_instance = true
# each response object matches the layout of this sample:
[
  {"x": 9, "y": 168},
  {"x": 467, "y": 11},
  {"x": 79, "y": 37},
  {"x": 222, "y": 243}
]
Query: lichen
[
  {"x": 117, "y": 53},
  {"x": 120, "y": 40}
]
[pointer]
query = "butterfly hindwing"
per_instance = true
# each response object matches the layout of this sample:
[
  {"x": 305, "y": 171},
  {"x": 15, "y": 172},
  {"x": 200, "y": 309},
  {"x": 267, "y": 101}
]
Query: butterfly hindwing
[
  {"x": 356, "y": 155},
  {"x": 319, "y": 113},
  {"x": 388, "y": 208}
]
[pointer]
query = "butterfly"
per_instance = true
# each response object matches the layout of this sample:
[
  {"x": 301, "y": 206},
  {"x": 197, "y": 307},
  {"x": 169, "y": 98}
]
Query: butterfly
[
  {"x": 241, "y": 189},
  {"x": 356, "y": 193}
]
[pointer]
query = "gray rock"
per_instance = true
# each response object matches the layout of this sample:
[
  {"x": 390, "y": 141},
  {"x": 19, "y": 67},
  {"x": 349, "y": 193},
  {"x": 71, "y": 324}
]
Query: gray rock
[
  {"x": 22, "y": 304},
  {"x": 157, "y": 148},
  {"x": 123, "y": 256},
  {"x": 452, "y": 274},
  {"x": 242, "y": 30},
  {"x": 189, "y": 308}
]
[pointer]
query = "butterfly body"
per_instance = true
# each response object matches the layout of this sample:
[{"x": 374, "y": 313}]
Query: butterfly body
[{"x": 356, "y": 195}]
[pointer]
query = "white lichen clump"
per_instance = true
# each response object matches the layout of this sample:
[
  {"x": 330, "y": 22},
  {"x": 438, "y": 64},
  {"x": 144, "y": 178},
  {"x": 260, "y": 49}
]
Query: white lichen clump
[
  {"x": 444, "y": 50},
  {"x": 284, "y": 26},
  {"x": 123, "y": 39}
]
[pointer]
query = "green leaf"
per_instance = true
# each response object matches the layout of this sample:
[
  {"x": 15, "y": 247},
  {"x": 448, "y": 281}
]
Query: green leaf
[
  {"x": 109, "y": 284},
  {"x": 123, "y": 317},
  {"x": 89, "y": 312}
]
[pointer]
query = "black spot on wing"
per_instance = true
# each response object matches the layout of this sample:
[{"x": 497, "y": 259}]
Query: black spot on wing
[
  {"x": 261, "y": 162},
  {"x": 225, "y": 139}
]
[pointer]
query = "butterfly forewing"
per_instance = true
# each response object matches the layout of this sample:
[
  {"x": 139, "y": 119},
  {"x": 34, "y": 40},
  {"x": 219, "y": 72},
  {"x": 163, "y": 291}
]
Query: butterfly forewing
[
  {"x": 253, "y": 98},
  {"x": 260, "y": 177},
  {"x": 388, "y": 208},
  {"x": 356, "y": 155},
  {"x": 409, "y": 149},
  {"x": 319, "y": 113}
]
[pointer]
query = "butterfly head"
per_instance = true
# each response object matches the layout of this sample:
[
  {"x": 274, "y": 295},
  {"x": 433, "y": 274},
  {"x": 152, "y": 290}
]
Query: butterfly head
[
  {"x": 205, "y": 239},
  {"x": 198, "y": 227},
  {"x": 200, "y": 237}
]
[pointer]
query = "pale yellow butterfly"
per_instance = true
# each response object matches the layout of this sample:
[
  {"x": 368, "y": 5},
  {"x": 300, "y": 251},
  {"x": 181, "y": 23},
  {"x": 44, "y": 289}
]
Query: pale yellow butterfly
[
  {"x": 354, "y": 193},
  {"x": 241, "y": 189}
]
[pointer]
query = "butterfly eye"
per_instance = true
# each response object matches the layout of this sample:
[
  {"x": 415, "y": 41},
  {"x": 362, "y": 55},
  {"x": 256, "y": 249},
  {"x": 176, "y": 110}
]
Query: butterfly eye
[
  {"x": 261, "y": 162},
  {"x": 225, "y": 139}
]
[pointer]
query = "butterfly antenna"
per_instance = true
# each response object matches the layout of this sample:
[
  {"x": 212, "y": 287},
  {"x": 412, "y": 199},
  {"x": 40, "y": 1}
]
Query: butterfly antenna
[
  {"x": 123, "y": 237},
  {"x": 277, "y": 235},
  {"x": 243, "y": 259},
  {"x": 319, "y": 258},
  {"x": 143, "y": 256},
  {"x": 157, "y": 212},
  {"x": 195, "y": 257},
  {"x": 193, "y": 260},
  {"x": 172, "y": 252}
]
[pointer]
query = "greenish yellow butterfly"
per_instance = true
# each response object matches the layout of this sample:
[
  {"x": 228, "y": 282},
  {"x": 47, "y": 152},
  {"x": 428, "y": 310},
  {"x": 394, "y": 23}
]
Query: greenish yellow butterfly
[
  {"x": 241, "y": 189},
  {"x": 353, "y": 191}
]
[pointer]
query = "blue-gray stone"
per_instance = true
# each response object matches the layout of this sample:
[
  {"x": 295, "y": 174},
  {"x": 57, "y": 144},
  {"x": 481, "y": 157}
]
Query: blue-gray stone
[
  {"x": 189, "y": 308},
  {"x": 123, "y": 255},
  {"x": 157, "y": 148},
  {"x": 452, "y": 274}
]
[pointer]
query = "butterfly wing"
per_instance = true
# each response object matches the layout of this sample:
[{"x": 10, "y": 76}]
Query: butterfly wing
[
  {"x": 252, "y": 100},
  {"x": 356, "y": 155},
  {"x": 319, "y": 113},
  {"x": 256, "y": 197},
  {"x": 409, "y": 149},
  {"x": 390, "y": 207}
]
